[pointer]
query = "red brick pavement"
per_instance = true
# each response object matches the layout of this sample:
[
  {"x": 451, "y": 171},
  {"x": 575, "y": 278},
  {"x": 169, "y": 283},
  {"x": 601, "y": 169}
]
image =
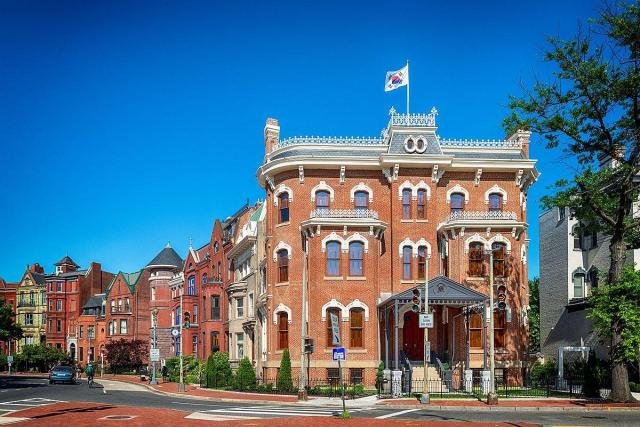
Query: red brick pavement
[{"x": 79, "y": 414}]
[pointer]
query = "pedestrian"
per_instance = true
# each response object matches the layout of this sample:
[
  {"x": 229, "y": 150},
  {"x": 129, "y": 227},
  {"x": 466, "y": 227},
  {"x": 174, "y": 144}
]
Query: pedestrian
[{"x": 165, "y": 372}]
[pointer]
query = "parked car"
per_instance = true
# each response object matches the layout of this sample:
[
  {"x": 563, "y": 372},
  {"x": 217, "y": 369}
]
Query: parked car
[{"x": 62, "y": 373}]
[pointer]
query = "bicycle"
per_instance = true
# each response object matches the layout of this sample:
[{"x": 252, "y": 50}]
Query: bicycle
[{"x": 90, "y": 380}]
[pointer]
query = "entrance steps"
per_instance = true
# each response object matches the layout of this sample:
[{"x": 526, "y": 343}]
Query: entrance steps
[{"x": 435, "y": 382}]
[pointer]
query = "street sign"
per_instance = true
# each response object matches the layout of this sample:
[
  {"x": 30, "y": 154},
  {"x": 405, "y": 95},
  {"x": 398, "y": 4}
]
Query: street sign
[
  {"x": 335, "y": 329},
  {"x": 425, "y": 320},
  {"x": 175, "y": 332},
  {"x": 9, "y": 359},
  {"x": 155, "y": 355},
  {"x": 339, "y": 354}
]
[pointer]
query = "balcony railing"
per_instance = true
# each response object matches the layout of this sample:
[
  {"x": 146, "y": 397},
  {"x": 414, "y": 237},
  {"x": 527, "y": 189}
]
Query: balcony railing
[
  {"x": 344, "y": 213},
  {"x": 482, "y": 215},
  {"x": 26, "y": 304}
]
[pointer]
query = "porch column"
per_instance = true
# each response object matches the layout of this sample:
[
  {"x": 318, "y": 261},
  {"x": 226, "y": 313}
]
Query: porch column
[
  {"x": 386, "y": 337},
  {"x": 396, "y": 355}
]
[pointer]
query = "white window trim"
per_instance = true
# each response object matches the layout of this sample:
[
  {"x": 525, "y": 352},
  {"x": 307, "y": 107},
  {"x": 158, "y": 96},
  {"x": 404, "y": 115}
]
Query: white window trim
[
  {"x": 497, "y": 190},
  {"x": 361, "y": 187},
  {"x": 279, "y": 190},
  {"x": 423, "y": 242},
  {"x": 406, "y": 242},
  {"x": 356, "y": 237},
  {"x": 333, "y": 237},
  {"x": 320, "y": 187},
  {"x": 457, "y": 189},
  {"x": 475, "y": 238},
  {"x": 407, "y": 185},
  {"x": 281, "y": 245},
  {"x": 499, "y": 238},
  {"x": 335, "y": 304},
  {"x": 279, "y": 309},
  {"x": 415, "y": 246},
  {"x": 356, "y": 303},
  {"x": 421, "y": 186}
]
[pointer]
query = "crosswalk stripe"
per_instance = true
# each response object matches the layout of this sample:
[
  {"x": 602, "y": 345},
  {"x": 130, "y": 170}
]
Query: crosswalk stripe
[
  {"x": 217, "y": 417},
  {"x": 300, "y": 410}
]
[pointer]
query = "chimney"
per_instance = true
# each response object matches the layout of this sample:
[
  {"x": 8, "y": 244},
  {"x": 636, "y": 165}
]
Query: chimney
[
  {"x": 36, "y": 268},
  {"x": 523, "y": 137},
  {"x": 271, "y": 136}
]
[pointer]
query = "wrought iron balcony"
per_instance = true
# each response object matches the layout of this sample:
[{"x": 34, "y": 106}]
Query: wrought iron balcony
[
  {"x": 482, "y": 215},
  {"x": 26, "y": 304},
  {"x": 344, "y": 213}
]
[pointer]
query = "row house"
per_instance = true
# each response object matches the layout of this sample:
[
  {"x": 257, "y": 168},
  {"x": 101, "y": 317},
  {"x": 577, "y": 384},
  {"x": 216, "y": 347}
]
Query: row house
[
  {"x": 31, "y": 307},
  {"x": 91, "y": 334},
  {"x": 68, "y": 289},
  {"x": 363, "y": 222},
  {"x": 8, "y": 296},
  {"x": 162, "y": 268},
  {"x": 245, "y": 259},
  {"x": 127, "y": 301}
]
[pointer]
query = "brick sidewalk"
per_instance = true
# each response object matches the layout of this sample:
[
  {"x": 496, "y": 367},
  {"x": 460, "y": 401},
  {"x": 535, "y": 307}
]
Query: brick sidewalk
[
  {"x": 92, "y": 415},
  {"x": 195, "y": 391},
  {"x": 507, "y": 403}
]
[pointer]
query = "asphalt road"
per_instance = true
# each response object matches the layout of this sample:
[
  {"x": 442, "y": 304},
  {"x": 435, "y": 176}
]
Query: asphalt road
[{"x": 14, "y": 389}]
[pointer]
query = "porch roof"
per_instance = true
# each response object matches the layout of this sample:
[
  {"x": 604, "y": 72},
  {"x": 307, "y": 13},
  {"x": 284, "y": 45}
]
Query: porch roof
[{"x": 442, "y": 291}]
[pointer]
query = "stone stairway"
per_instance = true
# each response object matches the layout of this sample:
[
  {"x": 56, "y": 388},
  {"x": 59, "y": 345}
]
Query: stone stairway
[{"x": 435, "y": 382}]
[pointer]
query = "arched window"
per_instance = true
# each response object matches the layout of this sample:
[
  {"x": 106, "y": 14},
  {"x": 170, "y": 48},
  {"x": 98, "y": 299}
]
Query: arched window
[
  {"x": 406, "y": 204},
  {"x": 457, "y": 202},
  {"x": 356, "y": 326},
  {"x": 578, "y": 285},
  {"x": 330, "y": 311},
  {"x": 406, "y": 262},
  {"x": 191, "y": 285},
  {"x": 283, "y": 330},
  {"x": 205, "y": 278},
  {"x": 219, "y": 271},
  {"x": 322, "y": 199},
  {"x": 355, "y": 259},
  {"x": 422, "y": 262},
  {"x": 333, "y": 258},
  {"x": 476, "y": 250},
  {"x": 422, "y": 201},
  {"x": 361, "y": 200},
  {"x": 283, "y": 207},
  {"x": 283, "y": 266},
  {"x": 499, "y": 258},
  {"x": 495, "y": 202}
]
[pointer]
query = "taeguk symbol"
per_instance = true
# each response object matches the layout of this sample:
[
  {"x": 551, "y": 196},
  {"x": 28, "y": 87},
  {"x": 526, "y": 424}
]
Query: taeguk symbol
[{"x": 396, "y": 79}]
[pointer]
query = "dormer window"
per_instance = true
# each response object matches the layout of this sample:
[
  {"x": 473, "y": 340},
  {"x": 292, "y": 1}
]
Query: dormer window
[
  {"x": 409, "y": 145},
  {"x": 421, "y": 145}
]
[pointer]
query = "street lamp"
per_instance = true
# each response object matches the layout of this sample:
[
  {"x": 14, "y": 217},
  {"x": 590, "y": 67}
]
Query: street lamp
[
  {"x": 492, "y": 397},
  {"x": 154, "y": 320},
  {"x": 181, "y": 384}
]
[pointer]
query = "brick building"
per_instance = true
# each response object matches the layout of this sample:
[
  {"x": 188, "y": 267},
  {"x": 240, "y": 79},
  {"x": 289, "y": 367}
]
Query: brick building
[
  {"x": 8, "y": 296},
  {"x": 68, "y": 289},
  {"x": 127, "y": 299},
  {"x": 92, "y": 331},
  {"x": 161, "y": 269},
  {"x": 379, "y": 215}
]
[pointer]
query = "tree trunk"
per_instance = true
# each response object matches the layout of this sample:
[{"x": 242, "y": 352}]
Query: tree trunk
[{"x": 620, "y": 391}]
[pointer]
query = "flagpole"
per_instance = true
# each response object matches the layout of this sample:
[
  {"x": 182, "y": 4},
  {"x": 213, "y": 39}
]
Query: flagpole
[{"x": 408, "y": 83}]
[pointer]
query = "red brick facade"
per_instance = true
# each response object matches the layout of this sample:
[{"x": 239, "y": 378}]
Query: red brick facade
[{"x": 356, "y": 243}]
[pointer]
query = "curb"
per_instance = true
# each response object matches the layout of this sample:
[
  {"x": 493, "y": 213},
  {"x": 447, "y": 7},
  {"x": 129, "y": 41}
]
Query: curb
[{"x": 445, "y": 408}]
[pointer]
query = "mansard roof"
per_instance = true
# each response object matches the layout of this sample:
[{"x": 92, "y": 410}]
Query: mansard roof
[{"x": 167, "y": 257}]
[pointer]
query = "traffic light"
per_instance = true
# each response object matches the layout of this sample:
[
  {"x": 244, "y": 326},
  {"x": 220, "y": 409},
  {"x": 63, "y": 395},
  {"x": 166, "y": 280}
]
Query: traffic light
[
  {"x": 417, "y": 300},
  {"x": 502, "y": 297},
  {"x": 308, "y": 345},
  {"x": 187, "y": 320}
]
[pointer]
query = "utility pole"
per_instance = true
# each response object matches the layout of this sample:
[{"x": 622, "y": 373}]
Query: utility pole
[
  {"x": 302, "y": 389},
  {"x": 154, "y": 319},
  {"x": 181, "y": 385},
  {"x": 492, "y": 397},
  {"x": 427, "y": 348}
]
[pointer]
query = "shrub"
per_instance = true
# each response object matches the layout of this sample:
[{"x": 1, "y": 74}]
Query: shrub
[
  {"x": 245, "y": 375},
  {"x": 541, "y": 372},
  {"x": 634, "y": 387},
  {"x": 284, "y": 382},
  {"x": 218, "y": 370},
  {"x": 379, "y": 374}
]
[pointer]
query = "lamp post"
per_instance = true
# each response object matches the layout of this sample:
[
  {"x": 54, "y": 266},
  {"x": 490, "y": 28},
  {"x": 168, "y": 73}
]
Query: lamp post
[
  {"x": 427, "y": 348},
  {"x": 181, "y": 384},
  {"x": 154, "y": 320},
  {"x": 492, "y": 397}
]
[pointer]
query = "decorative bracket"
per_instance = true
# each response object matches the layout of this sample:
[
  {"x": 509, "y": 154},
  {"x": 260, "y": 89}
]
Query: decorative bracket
[
  {"x": 343, "y": 172},
  {"x": 436, "y": 174},
  {"x": 396, "y": 170},
  {"x": 519, "y": 178},
  {"x": 476, "y": 181},
  {"x": 387, "y": 174},
  {"x": 301, "y": 174}
]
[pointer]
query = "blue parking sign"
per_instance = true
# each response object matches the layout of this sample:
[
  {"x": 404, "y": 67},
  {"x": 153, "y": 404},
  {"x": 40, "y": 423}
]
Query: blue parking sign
[{"x": 339, "y": 353}]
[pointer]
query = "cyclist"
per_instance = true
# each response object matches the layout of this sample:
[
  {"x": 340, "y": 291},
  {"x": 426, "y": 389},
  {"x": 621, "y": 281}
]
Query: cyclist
[{"x": 89, "y": 372}]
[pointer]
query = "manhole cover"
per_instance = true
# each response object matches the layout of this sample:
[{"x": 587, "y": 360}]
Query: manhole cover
[{"x": 118, "y": 417}]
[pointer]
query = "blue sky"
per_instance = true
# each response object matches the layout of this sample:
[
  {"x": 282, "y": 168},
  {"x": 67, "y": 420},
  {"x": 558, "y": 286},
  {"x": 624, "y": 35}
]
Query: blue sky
[{"x": 123, "y": 124}]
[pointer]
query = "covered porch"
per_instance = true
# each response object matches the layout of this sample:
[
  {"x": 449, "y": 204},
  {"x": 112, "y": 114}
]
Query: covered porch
[{"x": 452, "y": 304}]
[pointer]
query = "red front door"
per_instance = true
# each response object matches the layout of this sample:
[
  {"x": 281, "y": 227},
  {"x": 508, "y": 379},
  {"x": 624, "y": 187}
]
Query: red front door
[{"x": 412, "y": 337}]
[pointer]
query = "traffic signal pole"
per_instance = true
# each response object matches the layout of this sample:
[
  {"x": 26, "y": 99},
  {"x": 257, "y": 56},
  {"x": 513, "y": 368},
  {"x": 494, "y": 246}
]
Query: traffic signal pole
[{"x": 181, "y": 385}]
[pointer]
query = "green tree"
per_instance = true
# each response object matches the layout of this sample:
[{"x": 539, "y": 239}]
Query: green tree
[
  {"x": 284, "y": 382},
  {"x": 591, "y": 108},
  {"x": 40, "y": 357},
  {"x": 218, "y": 370},
  {"x": 245, "y": 375},
  {"x": 9, "y": 330},
  {"x": 534, "y": 314}
]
